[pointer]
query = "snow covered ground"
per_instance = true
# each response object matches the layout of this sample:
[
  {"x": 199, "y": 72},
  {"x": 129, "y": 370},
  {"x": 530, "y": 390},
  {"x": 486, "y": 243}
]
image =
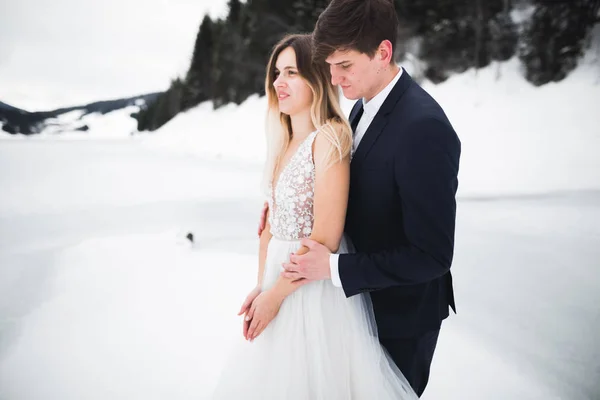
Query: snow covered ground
[{"x": 102, "y": 298}]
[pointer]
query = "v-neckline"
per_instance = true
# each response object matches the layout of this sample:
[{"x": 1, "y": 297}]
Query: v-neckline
[{"x": 275, "y": 183}]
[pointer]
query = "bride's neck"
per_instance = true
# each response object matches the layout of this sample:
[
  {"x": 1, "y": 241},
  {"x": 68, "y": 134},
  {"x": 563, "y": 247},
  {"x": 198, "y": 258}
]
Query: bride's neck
[{"x": 302, "y": 124}]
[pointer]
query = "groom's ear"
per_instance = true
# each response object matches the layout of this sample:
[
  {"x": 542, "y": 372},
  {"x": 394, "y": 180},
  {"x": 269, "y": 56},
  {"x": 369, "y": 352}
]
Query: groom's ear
[{"x": 385, "y": 52}]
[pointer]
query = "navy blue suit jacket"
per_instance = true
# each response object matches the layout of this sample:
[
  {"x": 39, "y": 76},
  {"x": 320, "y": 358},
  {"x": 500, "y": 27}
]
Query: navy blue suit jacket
[{"x": 401, "y": 212}]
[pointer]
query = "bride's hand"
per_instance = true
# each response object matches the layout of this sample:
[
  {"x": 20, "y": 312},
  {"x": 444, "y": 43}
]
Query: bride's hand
[
  {"x": 246, "y": 308},
  {"x": 264, "y": 309}
]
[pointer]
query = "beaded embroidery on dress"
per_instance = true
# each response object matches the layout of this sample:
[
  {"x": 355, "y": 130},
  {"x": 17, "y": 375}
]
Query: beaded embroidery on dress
[
  {"x": 292, "y": 197},
  {"x": 321, "y": 345}
]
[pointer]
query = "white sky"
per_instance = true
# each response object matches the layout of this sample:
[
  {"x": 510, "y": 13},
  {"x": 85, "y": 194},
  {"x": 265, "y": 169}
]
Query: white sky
[{"x": 66, "y": 52}]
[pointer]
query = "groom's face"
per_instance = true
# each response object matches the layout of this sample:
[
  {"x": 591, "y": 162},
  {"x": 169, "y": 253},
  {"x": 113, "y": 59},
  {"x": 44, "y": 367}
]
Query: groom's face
[{"x": 356, "y": 73}]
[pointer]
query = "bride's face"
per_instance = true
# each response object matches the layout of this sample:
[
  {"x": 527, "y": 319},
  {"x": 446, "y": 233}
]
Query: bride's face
[{"x": 293, "y": 93}]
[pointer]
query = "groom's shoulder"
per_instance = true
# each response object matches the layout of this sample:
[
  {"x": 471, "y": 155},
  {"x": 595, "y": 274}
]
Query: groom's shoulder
[
  {"x": 418, "y": 105},
  {"x": 418, "y": 116},
  {"x": 420, "y": 99}
]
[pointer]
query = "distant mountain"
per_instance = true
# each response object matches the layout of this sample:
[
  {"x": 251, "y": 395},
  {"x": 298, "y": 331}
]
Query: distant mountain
[
  {"x": 15, "y": 120},
  {"x": 4, "y": 106}
]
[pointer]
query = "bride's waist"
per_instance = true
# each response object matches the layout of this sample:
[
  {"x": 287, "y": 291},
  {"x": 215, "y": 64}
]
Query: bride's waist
[
  {"x": 345, "y": 246},
  {"x": 286, "y": 240}
]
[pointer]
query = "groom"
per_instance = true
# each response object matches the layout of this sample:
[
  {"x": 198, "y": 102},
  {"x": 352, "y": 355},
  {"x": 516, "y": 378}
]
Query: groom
[{"x": 401, "y": 208}]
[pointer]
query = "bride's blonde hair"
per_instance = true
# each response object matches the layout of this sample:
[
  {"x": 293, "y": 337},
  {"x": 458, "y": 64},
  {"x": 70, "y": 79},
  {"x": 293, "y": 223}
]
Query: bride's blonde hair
[{"x": 325, "y": 111}]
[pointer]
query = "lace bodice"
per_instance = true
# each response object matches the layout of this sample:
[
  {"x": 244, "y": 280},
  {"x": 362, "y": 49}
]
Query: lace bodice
[{"x": 292, "y": 197}]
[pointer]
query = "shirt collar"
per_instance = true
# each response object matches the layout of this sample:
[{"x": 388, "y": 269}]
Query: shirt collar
[{"x": 372, "y": 107}]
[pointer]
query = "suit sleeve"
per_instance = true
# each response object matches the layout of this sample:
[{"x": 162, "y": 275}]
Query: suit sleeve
[{"x": 426, "y": 176}]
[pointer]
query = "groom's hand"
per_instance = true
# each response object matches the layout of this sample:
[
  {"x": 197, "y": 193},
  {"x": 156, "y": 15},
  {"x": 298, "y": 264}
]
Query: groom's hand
[{"x": 312, "y": 266}]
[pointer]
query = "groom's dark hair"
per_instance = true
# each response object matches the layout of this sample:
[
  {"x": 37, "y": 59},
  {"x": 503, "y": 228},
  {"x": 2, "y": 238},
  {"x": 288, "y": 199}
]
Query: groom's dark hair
[{"x": 354, "y": 25}]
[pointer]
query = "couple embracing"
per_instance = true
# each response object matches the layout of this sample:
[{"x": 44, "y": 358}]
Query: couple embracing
[{"x": 357, "y": 237}]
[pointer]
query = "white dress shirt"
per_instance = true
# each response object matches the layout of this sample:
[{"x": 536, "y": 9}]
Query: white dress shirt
[{"x": 370, "y": 109}]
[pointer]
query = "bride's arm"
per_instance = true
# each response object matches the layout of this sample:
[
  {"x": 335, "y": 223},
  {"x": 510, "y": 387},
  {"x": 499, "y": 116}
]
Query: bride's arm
[
  {"x": 329, "y": 209},
  {"x": 265, "y": 238},
  {"x": 331, "y": 197},
  {"x": 330, "y": 202}
]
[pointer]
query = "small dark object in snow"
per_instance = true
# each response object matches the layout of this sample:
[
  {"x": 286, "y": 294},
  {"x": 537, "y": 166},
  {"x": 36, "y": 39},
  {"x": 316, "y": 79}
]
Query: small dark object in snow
[{"x": 190, "y": 237}]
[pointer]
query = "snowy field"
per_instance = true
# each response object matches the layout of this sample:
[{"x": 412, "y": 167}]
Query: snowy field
[{"x": 102, "y": 298}]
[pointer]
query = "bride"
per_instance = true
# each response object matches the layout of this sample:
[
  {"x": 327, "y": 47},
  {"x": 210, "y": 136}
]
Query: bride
[{"x": 306, "y": 340}]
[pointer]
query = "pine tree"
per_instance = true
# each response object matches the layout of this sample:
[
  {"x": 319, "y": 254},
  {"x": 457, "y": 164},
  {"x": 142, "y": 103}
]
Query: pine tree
[
  {"x": 554, "y": 38},
  {"x": 230, "y": 74},
  {"x": 503, "y": 35},
  {"x": 306, "y": 13},
  {"x": 455, "y": 34},
  {"x": 235, "y": 9},
  {"x": 198, "y": 84}
]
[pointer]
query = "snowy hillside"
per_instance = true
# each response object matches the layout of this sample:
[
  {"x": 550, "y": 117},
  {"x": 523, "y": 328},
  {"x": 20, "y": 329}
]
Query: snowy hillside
[{"x": 517, "y": 138}]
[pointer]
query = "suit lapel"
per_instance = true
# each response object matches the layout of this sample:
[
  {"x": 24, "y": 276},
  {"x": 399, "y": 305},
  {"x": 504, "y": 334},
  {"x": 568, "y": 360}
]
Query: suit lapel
[{"x": 381, "y": 118}]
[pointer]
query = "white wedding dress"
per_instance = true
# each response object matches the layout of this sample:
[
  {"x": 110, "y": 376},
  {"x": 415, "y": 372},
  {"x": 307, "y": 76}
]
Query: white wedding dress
[{"x": 321, "y": 345}]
